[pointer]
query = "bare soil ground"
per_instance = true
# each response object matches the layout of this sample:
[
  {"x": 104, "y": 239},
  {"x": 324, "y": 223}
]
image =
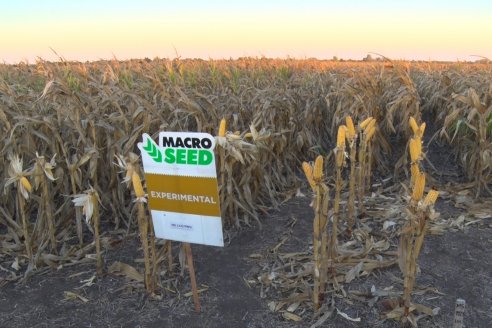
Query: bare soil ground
[{"x": 454, "y": 265}]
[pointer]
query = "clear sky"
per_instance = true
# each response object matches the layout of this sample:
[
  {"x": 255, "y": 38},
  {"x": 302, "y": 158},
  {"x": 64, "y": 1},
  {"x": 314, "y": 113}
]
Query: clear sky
[{"x": 101, "y": 29}]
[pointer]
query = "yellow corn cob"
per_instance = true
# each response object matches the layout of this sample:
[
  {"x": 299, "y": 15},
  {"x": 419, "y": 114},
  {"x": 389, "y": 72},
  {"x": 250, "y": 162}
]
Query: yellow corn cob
[
  {"x": 431, "y": 197},
  {"x": 137, "y": 185},
  {"x": 308, "y": 171},
  {"x": 418, "y": 188},
  {"x": 370, "y": 132},
  {"x": 415, "y": 149},
  {"x": 422, "y": 130},
  {"x": 350, "y": 127},
  {"x": 342, "y": 129},
  {"x": 415, "y": 171},
  {"x": 26, "y": 184},
  {"x": 364, "y": 123},
  {"x": 414, "y": 126},
  {"x": 222, "y": 128},
  {"x": 370, "y": 125},
  {"x": 318, "y": 169}
]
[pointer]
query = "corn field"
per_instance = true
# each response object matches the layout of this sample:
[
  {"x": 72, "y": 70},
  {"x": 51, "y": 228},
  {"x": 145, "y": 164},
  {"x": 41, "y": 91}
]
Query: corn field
[{"x": 70, "y": 129}]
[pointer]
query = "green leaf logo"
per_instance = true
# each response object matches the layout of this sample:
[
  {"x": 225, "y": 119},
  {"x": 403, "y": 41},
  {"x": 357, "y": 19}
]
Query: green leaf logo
[{"x": 152, "y": 149}]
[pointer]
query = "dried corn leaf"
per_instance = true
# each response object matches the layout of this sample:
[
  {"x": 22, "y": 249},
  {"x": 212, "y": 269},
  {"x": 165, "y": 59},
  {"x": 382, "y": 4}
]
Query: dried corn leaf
[
  {"x": 346, "y": 316},
  {"x": 120, "y": 268},
  {"x": 354, "y": 272},
  {"x": 74, "y": 296},
  {"x": 291, "y": 316},
  {"x": 190, "y": 293}
]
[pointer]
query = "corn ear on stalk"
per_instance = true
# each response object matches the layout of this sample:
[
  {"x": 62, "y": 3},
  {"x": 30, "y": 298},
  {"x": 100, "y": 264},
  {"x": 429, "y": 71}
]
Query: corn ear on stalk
[
  {"x": 415, "y": 172},
  {"x": 414, "y": 126},
  {"x": 418, "y": 188},
  {"x": 431, "y": 197},
  {"x": 350, "y": 128},
  {"x": 137, "y": 185},
  {"x": 26, "y": 184},
  {"x": 318, "y": 169},
  {"x": 364, "y": 123},
  {"x": 418, "y": 131},
  {"x": 222, "y": 128},
  {"x": 340, "y": 150},
  {"x": 415, "y": 149},
  {"x": 308, "y": 171},
  {"x": 342, "y": 130}
]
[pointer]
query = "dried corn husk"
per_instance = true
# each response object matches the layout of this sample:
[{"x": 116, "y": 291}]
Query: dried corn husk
[
  {"x": 422, "y": 130},
  {"x": 371, "y": 129}
]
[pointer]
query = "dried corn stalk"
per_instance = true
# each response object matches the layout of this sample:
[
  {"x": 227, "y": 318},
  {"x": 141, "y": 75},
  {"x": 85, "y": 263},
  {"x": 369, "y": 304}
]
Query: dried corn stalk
[
  {"x": 75, "y": 181},
  {"x": 42, "y": 174},
  {"x": 340, "y": 161},
  {"x": 89, "y": 201},
  {"x": 367, "y": 129},
  {"x": 419, "y": 212},
  {"x": 18, "y": 177},
  {"x": 130, "y": 168},
  {"x": 320, "y": 229},
  {"x": 470, "y": 123},
  {"x": 352, "y": 142},
  {"x": 143, "y": 224}
]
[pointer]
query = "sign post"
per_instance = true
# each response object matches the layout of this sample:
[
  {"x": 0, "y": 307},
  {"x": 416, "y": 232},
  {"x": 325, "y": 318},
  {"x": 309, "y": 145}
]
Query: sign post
[
  {"x": 191, "y": 269},
  {"x": 182, "y": 190}
]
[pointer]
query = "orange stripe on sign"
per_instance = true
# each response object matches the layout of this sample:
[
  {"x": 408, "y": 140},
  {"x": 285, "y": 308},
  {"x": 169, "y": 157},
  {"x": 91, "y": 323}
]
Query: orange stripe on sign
[{"x": 190, "y": 195}]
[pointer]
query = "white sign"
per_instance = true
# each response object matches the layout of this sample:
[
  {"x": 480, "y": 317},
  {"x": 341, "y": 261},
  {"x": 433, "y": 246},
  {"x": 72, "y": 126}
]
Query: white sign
[{"x": 182, "y": 187}]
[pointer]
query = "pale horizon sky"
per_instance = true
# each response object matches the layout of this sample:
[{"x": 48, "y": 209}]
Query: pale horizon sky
[{"x": 350, "y": 29}]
